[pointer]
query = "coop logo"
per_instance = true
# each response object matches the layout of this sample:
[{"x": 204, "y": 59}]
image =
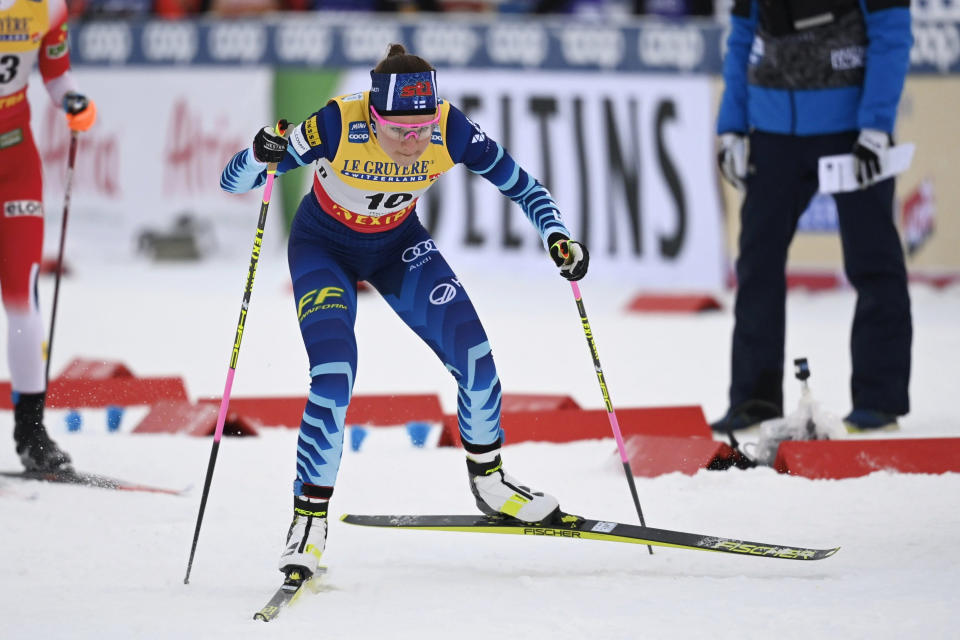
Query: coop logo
[
  {"x": 20, "y": 208},
  {"x": 593, "y": 46},
  {"x": 365, "y": 43},
  {"x": 447, "y": 43},
  {"x": 418, "y": 251},
  {"x": 515, "y": 44},
  {"x": 673, "y": 47},
  {"x": 316, "y": 300},
  {"x": 358, "y": 132},
  {"x": 244, "y": 42},
  {"x": 169, "y": 42},
  {"x": 444, "y": 292},
  {"x": 303, "y": 43},
  {"x": 937, "y": 45},
  {"x": 105, "y": 42}
]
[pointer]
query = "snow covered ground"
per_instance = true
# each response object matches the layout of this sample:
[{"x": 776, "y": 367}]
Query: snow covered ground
[{"x": 87, "y": 563}]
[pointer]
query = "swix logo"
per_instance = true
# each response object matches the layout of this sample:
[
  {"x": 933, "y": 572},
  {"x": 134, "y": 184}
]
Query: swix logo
[
  {"x": 19, "y": 208},
  {"x": 418, "y": 89},
  {"x": 479, "y": 136},
  {"x": 316, "y": 299}
]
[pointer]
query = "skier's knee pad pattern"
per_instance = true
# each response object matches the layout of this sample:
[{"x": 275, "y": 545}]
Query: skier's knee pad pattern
[
  {"x": 320, "y": 444},
  {"x": 479, "y": 396}
]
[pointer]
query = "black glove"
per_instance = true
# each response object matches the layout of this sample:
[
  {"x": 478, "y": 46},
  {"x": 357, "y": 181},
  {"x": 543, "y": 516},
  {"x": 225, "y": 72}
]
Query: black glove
[
  {"x": 571, "y": 256},
  {"x": 81, "y": 111},
  {"x": 74, "y": 103},
  {"x": 269, "y": 146},
  {"x": 869, "y": 155}
]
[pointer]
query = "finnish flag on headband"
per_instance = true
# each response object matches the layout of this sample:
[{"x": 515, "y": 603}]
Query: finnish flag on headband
[{"x": 404, "y": 94}]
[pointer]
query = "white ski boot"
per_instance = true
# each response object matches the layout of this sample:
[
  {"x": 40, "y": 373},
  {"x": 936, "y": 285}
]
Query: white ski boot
[
  {"x": 307, "y": 536},
  {"x": 498, "y": 493}
]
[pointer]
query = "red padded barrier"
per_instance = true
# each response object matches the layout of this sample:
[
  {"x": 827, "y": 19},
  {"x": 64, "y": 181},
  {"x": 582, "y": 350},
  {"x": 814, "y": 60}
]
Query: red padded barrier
[
  {"x": 854, "y": 458},
  {"x": 674, "y": 303},
  {"x": 364, "y": 409},
  {"x": 80, "y": 368},
  {"x": 82, "y": 392},
  {"x": 651, "y": 456},
  {"x": 394, "y": 409},
  {"x": 169, "y": 416},
  {"x": 536, "y": 402},
  {"x": 267, "y": 411},
  {"x": 567, "y": 425}
]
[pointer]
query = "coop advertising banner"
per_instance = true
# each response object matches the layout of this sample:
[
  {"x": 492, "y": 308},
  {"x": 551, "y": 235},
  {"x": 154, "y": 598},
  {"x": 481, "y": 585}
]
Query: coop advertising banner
[
  {"x": 328, "y": 39},
  {"x": 152, "y": 159}
]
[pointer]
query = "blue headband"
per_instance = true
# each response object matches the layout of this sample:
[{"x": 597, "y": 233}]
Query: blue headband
[{"x": 404, "y": 94}]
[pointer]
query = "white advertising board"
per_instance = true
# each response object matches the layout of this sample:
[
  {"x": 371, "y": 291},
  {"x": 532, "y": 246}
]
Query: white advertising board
[
  {"x": 629, "y": 159},
  {"x": 161, "y": 139}
]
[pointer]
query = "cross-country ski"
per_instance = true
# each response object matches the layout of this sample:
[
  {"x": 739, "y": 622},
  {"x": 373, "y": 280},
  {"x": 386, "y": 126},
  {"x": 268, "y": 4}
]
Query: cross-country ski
[
  {"x": 69, "y": 476},
  {"x": 571, "y": 527}
]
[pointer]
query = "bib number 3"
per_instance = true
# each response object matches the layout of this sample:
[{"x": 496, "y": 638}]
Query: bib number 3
[{"x": 8, "y": 68}]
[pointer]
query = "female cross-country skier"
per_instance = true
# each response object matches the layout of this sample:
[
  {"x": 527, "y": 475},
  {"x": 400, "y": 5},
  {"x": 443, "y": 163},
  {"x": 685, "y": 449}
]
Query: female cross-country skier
[
  {"x": 32, "y": 32},
  {"x": 374, "y": 154}
]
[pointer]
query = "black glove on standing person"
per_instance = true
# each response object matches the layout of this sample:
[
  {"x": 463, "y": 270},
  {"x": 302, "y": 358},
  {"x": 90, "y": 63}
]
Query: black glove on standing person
[
  {"x": 571, "y": 256},
  {"x": 270, "y": 146},
  {"x": 869, "y": 155}
]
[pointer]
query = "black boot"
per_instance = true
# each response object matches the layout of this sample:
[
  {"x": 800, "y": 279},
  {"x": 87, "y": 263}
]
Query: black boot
[{"x": 34, "y": 446}]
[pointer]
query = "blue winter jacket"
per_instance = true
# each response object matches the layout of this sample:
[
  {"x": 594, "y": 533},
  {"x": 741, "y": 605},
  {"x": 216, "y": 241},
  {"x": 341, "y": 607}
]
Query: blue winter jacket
[{"x": 791, "y": 70}]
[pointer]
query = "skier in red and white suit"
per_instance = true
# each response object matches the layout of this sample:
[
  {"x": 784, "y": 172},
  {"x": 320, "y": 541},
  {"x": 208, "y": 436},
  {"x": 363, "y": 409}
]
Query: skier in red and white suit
[{"x": 31, "y": 31}]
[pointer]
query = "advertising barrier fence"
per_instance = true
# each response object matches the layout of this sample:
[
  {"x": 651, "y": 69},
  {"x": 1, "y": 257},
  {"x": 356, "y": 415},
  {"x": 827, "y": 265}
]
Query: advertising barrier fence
[{"x": 616, "y": 119}]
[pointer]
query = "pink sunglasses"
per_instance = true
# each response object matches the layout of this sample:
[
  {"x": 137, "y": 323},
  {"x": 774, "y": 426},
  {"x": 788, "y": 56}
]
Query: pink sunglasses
[{"x": 399, "y": 131}]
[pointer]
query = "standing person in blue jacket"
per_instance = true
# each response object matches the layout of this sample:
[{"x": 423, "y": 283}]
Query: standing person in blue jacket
[
  {"x": 805, "y": 79},
  {"x": 374, "y": 154}
]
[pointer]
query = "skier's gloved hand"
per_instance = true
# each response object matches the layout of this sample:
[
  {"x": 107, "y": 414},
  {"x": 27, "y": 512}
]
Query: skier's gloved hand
[
  {"x": 732, "y": 158},
  {"x": 269, "y": 145},
  {"x": 81, "y": 111},
  {"x": 870, "y": 155},
  {"x": 571, "y": 256}
]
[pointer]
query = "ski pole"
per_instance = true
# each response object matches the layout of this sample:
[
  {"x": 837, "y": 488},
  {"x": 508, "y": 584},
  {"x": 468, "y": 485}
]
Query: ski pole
[
  {"x": 71, "y": 163},
  {"x": 611, "y": 414},
  {"x": 281, "y": 128}
]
